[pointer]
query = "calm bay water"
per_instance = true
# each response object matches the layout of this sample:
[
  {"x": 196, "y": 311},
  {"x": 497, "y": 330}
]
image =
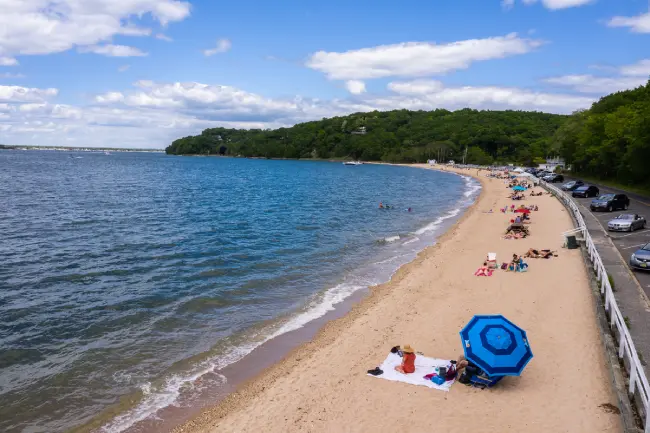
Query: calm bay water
[{"x": 142, "y": 272}]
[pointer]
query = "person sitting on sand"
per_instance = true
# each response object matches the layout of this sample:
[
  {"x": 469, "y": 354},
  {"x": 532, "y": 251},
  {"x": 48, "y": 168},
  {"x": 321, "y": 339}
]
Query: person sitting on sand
[
  {"x": 514, "y": 263},
  {"x": 408, "y": 360}
]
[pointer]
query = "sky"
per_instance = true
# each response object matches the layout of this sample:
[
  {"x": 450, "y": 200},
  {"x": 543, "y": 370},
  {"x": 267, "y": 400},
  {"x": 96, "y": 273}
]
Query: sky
[{"x": 141, "y": 73}]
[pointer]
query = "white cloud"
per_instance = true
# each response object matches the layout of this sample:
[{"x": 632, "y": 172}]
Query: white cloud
[
  {"x": 223, "y": 45},
  {"x": 111, "y": 50},
  {"x": 30, "y": 27},
  {"x": 163, "y": 37},
  {"x": 637, "y": 24},
  {"x": 123, "y": 68},
  {"x": 507, "y": 4},
  {"x": 413, "y": 59},
  {"x": 8, "y": 61},
  {"x": 626, "y": 77},
  {"x": 641, "y": 68},
  {"x": 109, "y": 97},
  {"x": 355, "y": 87},
  {"x": 25, "y": 94},
  {"x": 10, "y": 75},
  {"x": 131, "y": 30},
  {"x": 559, "y": 4},
  {"x": 429, "y": 94},
  {"x": 596, "y": 85},
  {"x": 416, "y": 87}
]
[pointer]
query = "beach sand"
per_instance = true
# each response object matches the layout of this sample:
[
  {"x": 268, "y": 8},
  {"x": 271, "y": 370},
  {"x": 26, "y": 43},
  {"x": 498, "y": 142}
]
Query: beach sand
[{"x": 322, "y": 386}]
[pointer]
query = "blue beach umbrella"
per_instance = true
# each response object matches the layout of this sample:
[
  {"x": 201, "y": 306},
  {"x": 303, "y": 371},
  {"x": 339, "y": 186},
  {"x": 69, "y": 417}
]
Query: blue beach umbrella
[
  {"x": 518, "y": 188},
  {"x": 496, "y": 345}
]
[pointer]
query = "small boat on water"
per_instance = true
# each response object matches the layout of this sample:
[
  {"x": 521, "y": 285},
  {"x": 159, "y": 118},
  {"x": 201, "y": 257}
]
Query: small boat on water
[{"x": 353, "y": 163}]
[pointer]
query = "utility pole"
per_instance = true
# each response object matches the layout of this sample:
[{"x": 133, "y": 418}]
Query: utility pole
[{"x": 464, "y": 155}]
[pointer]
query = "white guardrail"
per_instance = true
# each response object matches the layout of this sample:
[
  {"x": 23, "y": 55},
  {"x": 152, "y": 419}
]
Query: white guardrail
[{"x": 626, "y": 349}]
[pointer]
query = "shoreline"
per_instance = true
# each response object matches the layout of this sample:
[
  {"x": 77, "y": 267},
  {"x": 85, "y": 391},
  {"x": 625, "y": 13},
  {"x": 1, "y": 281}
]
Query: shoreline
[
  {"x": 322, "y": 330},
  {"x": 321, "y": 385},
  {"x": 215, "y": 388}
]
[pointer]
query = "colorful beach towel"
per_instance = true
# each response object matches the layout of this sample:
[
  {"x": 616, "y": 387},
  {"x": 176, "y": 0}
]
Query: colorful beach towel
[{"x": 423, "y": 366}]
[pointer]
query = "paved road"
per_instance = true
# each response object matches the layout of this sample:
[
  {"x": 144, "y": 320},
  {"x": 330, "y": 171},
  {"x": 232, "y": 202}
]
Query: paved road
[{"x": 626, "y": 243}]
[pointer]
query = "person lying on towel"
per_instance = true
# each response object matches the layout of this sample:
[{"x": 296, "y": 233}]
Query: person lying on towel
[{"x": 408, "y": 360}]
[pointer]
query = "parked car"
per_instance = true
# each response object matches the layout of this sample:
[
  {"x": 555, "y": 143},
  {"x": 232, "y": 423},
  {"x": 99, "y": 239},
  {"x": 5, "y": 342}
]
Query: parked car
[
  {"x": 553, "y": 178},
  {"x": 626, "y": 223},
  {"x": 540, "y": 174},
  {"x": 641, "y": 258},
  {"x": 570, "y": 186},
  {"x": 610, "y": 202},
  {"x": 586, "y": 191}
]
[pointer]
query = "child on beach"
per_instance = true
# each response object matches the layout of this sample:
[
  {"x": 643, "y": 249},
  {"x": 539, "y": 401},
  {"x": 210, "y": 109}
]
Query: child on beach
[{"x": 408, "y": 360}]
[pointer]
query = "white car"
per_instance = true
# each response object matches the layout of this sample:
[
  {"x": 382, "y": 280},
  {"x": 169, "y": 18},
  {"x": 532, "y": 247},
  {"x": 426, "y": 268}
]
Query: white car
[{"x": 626, "y": 223}]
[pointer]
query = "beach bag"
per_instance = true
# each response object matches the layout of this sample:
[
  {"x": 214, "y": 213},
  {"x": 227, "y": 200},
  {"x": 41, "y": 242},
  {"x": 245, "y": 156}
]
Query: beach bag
[
  {"x": 438, "y": 380},
  {"x": 451, "y": 373}
]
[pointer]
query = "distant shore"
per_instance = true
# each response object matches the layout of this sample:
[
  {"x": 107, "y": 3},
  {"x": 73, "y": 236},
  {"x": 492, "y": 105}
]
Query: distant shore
[
  {"x": 79, "y": 149},
  {"x": 322, "y": 385}
]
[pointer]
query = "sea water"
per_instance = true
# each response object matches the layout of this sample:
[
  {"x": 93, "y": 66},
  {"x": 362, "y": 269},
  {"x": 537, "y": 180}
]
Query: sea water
[{"x": 129, "y": 277}]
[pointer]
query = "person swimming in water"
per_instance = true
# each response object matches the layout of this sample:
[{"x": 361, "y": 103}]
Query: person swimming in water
[{"x": 381, "y": 205}]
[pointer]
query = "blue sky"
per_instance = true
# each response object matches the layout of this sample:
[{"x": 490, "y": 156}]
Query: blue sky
[{"x": 140, "y": 73}]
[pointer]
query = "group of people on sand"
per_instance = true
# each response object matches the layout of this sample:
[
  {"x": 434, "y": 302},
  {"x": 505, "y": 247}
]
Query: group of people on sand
[{"x": 461, "y": 369}]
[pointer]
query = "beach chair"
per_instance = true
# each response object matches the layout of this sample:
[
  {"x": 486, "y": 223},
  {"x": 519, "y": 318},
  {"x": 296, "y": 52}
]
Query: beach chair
[
  {"x": 492, "y": 260},
  {"x": 482, "y": 380}
]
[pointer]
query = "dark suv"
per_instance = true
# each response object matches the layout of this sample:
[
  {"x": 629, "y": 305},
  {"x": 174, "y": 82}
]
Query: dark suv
[
  {"x": 610, "y": 202},
  {"x": 586, "y": 191}
]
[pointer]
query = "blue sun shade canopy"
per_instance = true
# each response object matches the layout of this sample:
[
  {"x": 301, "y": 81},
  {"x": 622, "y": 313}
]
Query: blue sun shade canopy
[{"x": 496, "y": 345}]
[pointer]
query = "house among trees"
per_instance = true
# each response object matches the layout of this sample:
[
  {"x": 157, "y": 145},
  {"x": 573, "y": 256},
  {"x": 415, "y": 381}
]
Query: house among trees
[
  {"x": 552, "y": 164},
  {"x": 360, "y": 131}
]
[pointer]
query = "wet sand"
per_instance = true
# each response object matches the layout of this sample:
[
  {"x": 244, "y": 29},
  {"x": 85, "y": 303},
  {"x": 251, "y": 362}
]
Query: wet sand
[{"x": 322, "y": 385}]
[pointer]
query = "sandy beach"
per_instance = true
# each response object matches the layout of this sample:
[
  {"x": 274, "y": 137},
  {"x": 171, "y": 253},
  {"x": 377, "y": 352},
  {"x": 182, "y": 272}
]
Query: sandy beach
[{"x": 323, "y": 387}]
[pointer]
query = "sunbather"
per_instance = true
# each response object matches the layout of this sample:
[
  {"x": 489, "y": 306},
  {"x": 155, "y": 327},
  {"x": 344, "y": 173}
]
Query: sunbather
[
  {"x": 541, "y": 254},
  {"x": 408, "y": 360}
]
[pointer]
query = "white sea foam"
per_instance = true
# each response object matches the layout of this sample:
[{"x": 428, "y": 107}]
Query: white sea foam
[
  {"x": 319, "y": 307},
  {"x": 392, "y": 238},
  {"x": 410, "y": 241},
  {"x": 168, "y": 394},
  {"x": 436, "y": 224}
]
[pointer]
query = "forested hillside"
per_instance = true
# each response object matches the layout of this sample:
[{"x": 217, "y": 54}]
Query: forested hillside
[
  {"x": 397, "y": 136},
  {"x": 610, "y": 141}
]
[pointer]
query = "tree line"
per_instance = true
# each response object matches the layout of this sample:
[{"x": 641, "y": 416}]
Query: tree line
[
  {"x": 391, "y": 136},
  {"x": 609, "y": 141}
]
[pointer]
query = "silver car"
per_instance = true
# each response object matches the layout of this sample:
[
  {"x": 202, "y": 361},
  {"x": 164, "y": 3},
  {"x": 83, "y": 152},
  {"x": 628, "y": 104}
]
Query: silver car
[
  {"x": 626, "y": 223},
  {"x": 641, "y": 258}
]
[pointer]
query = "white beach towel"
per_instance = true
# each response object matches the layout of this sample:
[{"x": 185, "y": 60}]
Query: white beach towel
[{"x": 423, "y": 366}]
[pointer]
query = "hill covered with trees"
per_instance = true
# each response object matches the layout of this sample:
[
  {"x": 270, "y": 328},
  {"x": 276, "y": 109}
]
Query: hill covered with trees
[
  {"x": 395, "y": 136},
  {"x": 611, "y": 140}
]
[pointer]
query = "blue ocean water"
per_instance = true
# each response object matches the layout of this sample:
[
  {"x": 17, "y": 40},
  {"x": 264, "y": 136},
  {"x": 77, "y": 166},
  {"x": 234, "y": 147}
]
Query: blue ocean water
[{"x": 143, "y": 272}]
